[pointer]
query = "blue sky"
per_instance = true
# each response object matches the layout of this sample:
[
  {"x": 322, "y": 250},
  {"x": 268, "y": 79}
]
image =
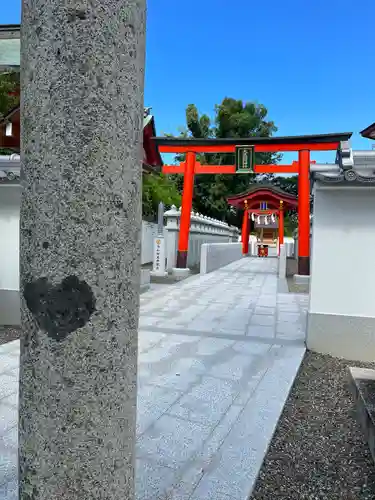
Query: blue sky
[{"x": 311, "y": 63}]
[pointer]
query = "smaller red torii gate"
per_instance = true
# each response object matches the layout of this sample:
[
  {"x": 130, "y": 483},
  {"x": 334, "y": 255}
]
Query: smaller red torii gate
[
  {"x": 245, "y": 150},
  {"x": 276, "y": 200}
]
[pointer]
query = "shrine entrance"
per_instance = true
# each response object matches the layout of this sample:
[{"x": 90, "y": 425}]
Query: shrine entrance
[
  {"x": 244, "y": 152},
  {"x": 263, "y": 209}
]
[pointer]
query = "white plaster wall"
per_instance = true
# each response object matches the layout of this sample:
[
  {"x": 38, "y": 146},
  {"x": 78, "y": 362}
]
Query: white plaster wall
[
  {"x": 9, "y": 237},
  {"x": 197, "y": 240},
  {"x": 289, "y": 246},
  {"x": 342, "y": 268},
  {"x": 149, "y": 232},
  {"x": 216, "y": 255}
]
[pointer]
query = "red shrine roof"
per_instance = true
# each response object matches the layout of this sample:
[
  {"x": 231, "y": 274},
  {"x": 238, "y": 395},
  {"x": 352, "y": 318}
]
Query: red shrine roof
[
  {"x": 151, "y": 155},
  {"x": 263, "y": 193}
]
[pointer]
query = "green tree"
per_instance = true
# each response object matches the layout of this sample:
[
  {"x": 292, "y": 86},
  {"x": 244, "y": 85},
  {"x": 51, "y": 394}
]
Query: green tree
[
  {"x": 233, "y": 118},
  {"x": 157, "y": 188},
  {"x": 9, "y": 92},
  {"x": 9, "y": 97}
]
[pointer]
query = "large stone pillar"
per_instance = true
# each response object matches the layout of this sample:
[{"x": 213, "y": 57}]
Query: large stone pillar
[{"x": 82, "y": 71}]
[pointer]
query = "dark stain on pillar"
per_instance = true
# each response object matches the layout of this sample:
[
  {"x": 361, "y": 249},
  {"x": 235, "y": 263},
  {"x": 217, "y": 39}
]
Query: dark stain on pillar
[
  {"x": 60, "y": 309},
  {"x": 75, "y": 14}
]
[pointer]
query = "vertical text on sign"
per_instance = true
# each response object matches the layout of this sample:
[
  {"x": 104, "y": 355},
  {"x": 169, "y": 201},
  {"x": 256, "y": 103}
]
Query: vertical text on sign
[{"x": 244, "y": 159}]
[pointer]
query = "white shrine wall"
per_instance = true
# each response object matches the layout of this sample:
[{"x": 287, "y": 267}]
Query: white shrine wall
[
  {"x": 341, "y": 319},
  {"x": 10, "y": 196}
]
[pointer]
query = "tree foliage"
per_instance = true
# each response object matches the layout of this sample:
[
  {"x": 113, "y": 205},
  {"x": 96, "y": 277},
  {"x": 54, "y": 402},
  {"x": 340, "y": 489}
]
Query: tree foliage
[
  {"x": 233, "y": 118},
  {"x": 9, "y": 97},
  {"x": 158, "y": 188},
  {"x": 9, "y": 92}
]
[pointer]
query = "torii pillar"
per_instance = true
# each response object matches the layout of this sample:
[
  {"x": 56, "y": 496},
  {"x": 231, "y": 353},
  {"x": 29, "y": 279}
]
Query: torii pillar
[
  {"x": 186, "y": 207},
  {"x": 245, "y": 230},
  {"x": 304, "y": 213},
  {"x": 281, "y": 225}
]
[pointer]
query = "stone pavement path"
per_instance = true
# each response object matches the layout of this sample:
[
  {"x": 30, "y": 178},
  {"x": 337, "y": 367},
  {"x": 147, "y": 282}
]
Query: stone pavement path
[{"x": 217, "y": 357}]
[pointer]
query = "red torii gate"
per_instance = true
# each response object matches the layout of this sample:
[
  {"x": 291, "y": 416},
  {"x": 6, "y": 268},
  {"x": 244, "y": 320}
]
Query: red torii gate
[
  {"x": 245, "y": 150},
  {"x": 277, "y": 201}
]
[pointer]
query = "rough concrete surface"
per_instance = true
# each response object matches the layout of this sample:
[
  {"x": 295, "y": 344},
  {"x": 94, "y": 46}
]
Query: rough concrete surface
[{"x": 82, "y": 115}]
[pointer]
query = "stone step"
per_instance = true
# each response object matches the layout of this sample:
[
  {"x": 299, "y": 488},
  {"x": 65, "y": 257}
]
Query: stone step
[{"x": 362, "y": 385}]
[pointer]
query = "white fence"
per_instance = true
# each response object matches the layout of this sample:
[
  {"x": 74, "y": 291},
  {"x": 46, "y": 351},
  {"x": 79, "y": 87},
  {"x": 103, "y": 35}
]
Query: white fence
[{"x": 202, "y": 230}]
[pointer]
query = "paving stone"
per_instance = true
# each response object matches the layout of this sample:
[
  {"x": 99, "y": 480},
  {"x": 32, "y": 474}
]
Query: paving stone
[
  {"x": 209, "y": 346},
  {"x": 8, "y": 417},
  {"x": 212, "y": 489},
  {"x": 268, "y": 311},
  {"x": 289, "y": 317},
  {"x": 10, "y": 347},
  {"x": 172, "y": 441},
  {"x": 152, "y": 403},
  {"x": 232, "y": 327},
  {"x": 8, "y": 362},
  {"x": 234, "y": 368},
  {"x": 180, "y": 377},
  {"x": 266, "y": 303},
  {"x": 10, "y": 439},
  {"x": 202, "y": 326},
  {"x": 250, "y": 347},
  {"x": 152, "y": 480},
  {"x": 147, "y": 321},
  {"x": 11, "y": 400},
  {"x": 184, "y": 487},
  {"x": 206, "y": 403},
  {"x": 8, "y": 466},
  {"x": 147, "y": 339},
  {"x": 263, "y": 320},
  {"x": 15, "y": 374},
  {"x": 290, "y": 306},
  {"x": 9, "y": 491},
  {"x": 267, "y": 332},
  {"x": 8, "y": 385},
  {"x": 289, "y": 330}
]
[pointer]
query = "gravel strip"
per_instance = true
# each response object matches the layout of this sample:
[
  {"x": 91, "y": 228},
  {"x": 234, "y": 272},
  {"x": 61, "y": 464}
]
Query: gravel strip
[
  {"x": 9, "y": 333},
  {"x": 318, "y": 451}
]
